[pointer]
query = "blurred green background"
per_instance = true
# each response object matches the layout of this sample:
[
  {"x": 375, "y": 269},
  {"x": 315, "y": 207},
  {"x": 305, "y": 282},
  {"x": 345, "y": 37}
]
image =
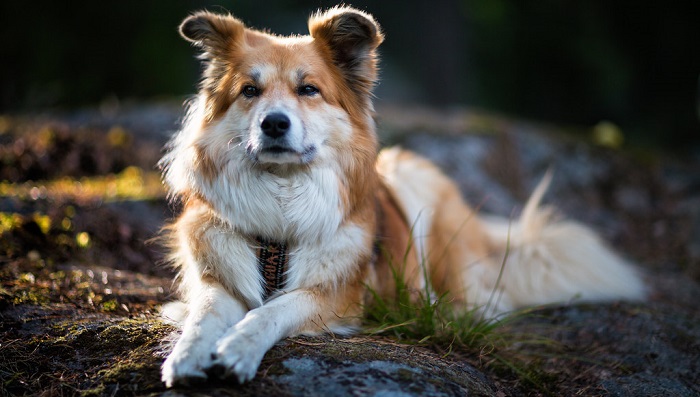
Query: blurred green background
[{"x": 634, "y": 63}]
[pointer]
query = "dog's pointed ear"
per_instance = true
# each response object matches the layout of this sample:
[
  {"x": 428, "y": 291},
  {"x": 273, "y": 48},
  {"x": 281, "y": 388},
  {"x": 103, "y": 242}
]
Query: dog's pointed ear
[
  {"x": 350, "y": 37},
  {"x": 213, "y": 32}
]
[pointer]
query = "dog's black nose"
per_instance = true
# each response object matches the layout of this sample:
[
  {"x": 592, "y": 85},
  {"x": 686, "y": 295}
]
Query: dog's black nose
[{"x": 275, "y": 125}]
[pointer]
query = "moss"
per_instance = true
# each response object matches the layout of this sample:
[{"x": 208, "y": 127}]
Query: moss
[
  {"x": 438, "y": 382},
  {"x": 405, "y": 374},
  {"x": 137, "y": 374},
  {"x": 32, "y": 297},
  {"x": 132, "y": 346},
  {"x": 357, "y": 352},
  {"x": 273, "y": 367},
  {"x": 110, "y": 305}
]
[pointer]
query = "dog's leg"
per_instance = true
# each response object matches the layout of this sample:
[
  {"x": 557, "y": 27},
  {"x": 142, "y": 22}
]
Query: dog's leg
[
  {"x": 242, "y": 348},
  {"x": 211, "y": 313}
]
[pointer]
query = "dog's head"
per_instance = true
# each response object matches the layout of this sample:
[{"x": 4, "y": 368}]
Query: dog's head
[{"x": 274, "y": 100}]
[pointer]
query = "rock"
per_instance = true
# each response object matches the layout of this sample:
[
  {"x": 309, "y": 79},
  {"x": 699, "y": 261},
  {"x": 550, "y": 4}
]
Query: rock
[{"x": 345, "y": 368}]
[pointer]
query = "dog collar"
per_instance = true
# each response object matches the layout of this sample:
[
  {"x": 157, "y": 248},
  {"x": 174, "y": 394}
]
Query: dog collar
[{"x": 272, "y": 261}]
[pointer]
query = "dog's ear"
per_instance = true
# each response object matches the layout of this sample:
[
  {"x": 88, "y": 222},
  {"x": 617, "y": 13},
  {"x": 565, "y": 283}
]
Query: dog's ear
[
  {"x": 213, "y": 32},
  {"x": 350, "y": 37},
  {"x": 221, "y": 39}
]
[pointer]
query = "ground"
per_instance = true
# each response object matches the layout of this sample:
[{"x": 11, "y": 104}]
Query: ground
[{"x": 81, "y": 276}]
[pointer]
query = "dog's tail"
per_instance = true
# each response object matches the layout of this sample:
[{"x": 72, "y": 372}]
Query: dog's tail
[
  {"x": 503, "y": 264},
  {"x": 550, "y": 260}
]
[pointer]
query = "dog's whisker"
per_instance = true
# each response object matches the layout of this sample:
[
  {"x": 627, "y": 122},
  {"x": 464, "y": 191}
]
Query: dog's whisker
[{"x": 237, "y": 139}]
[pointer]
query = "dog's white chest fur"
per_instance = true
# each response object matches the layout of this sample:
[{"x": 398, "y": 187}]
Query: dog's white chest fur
[
  {"x": 303, "y": 210},
  {"x": 298, "y": 207}
]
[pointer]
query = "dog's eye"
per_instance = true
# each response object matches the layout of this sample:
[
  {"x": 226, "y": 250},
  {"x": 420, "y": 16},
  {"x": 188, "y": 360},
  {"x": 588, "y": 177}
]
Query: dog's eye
[
  {"x": 250, "y": 91},
  {"x": 308, "y": 90}
]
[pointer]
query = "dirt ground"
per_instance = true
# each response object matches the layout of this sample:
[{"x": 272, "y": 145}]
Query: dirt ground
[{"x": 81, "y": 278}]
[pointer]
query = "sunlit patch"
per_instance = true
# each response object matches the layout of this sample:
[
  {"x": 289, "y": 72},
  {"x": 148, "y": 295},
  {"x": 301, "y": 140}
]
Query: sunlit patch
[
  {"x": 82, "y": 239},
  {"x": 5, "y": 124},
  {"x": 43, "y": 221},
  {"x": 118, "y": 136},
  {"x": 27, "y": 278},
  {"x": 9, "y": 221},
  {"x": 608, "y": 134},
  {"x": 131, "y": 184}
]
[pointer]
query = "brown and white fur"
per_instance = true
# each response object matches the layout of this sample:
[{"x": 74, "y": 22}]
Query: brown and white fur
[{"x": 280, "y": 143}]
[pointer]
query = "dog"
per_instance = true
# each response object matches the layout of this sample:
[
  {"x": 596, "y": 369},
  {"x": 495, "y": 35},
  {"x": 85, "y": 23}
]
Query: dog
[{"x": 290, "y": 211}]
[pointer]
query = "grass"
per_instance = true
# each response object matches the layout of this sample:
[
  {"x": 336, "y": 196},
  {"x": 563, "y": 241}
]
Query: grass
[
  {"x": 418, "y": 317},
  {"x": 428, "y": 320},
  {"x": 492, "y": 342}
]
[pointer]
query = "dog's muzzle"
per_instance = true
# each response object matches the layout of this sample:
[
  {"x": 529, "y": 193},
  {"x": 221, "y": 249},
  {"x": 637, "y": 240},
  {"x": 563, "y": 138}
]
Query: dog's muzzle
[{"x": 279, "y": 142}]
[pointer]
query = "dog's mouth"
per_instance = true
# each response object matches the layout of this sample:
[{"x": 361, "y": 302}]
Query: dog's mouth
[
  {"x": 277, "y": 150},
  {"x": 279, "y": 154}
]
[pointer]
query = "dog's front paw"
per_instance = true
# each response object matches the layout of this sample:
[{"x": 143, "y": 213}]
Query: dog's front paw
[
  {"x": 185, "y": 367},
  {"x": 238, "y": 356}
]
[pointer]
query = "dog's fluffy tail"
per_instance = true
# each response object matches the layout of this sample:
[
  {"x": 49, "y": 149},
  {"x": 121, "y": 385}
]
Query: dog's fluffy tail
[
  {"x": 505, "y": 264},
  {"x": 549, "y": 260}
]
